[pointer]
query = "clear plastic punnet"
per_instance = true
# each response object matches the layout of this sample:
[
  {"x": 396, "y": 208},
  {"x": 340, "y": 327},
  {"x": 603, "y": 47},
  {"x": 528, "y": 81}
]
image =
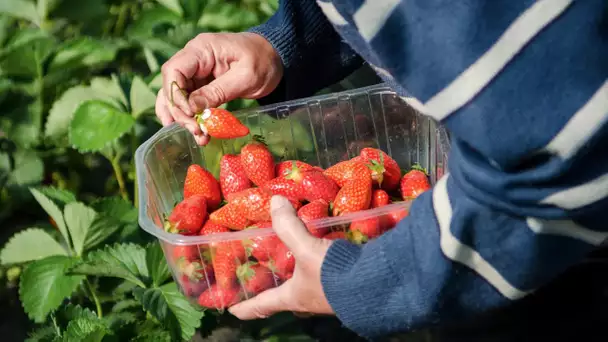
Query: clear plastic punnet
[{"x": 321, "y": 131}]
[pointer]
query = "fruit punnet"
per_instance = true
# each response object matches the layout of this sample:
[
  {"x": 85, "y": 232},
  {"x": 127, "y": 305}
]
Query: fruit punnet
[{"x": 220, "y": 123}]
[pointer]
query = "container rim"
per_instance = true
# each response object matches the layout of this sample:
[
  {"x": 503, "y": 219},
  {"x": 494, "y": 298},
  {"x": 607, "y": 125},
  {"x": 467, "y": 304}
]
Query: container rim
[{"x": 150, "y": 227}]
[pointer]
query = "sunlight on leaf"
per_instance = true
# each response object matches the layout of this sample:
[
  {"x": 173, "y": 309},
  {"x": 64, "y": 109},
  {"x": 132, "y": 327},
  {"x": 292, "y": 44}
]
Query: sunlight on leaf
[{"x": 28, "y": 245}]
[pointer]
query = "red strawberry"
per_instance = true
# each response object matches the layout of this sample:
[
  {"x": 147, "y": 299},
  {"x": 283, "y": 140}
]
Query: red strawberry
[
  {"x": 220, "y": 123},
  {"x": 192, "y": 288},
  {"x": 369, "y": 228},
  {"x": 228, "y": 256},
  {"x": 188, "y": 216},
  {"x": 201, "y": 182},
  {"x": 336, "y": 235},
  {"x": 196, "y": 277},
  {"x": 257, "y": 162},
  {"x": 252, "y": 204},
  {"x": 232, "y": 175},
  {"x": 261, "y": 247},
  {"x": 414, "y": 183},
  {"x": 230, "y": 217},
  {"x": 356, "y": 195},
  {"x": 282, "y": 263},
  {"x": 380, "y": 198},
  {"x": 316, "y": 186},
  {"x": 255, "y": 278},
  {"x": 314, "y": 210},
  {"x": 216, "y": 297},
  {"x": 185, "y": 253},
  {"x": 284, "y": 168},
  {"x": 385, "y": 170},
  {"x": 347, "y": 170},
  {"x": 390, "y": 220},
  {"x": 213, "y": 228},
  {"x": 284, "y": 187}
]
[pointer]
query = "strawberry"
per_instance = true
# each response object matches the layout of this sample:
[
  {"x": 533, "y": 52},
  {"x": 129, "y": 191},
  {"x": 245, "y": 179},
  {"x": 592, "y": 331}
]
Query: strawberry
[
  {"x": 347, "y": 170},
  {"x": 284, "y": 187},
  {"x": 261, "y": 247},
  {"x": 390, "y": 220},
  {"x": 369, "y": 228},
  {"x": 356, "y": 195},
  {"x": 188, "y": 216},
  {"x": 255, "y": 278},
  {"x": 201, "y": 182},
  {"x": 380, "y": 198},
  {"x": 192, "y": 288},
  {"x": 228, "y": 256},
  {"x": 385, "y": 170},
  {"x": 257, "y": 162},
  {"x": 213, "y": 228},
  {"x": 284, "y": 168},
  {"x": 216, "y": 297},
  {"x": 196, "y": 276},
  {"x": 185, "y": 253},
  {"x": 336, "y": 235},
  {"x": 220, "y": 123},
  {"x": 414, "y": 183},
  {"x": 252, "y": 204},
  {"x": 314, "y": 184},
  {"x": 282, "y": 263},
  {"x": 232, "y": 175},
  {"x": 228, "y": 216},
  {"x": 314, "y": 210}
]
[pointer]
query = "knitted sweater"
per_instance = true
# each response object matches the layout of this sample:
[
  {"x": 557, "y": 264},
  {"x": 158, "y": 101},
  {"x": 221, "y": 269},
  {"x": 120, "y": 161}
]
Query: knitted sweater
[{"x": 522, "y": 86}]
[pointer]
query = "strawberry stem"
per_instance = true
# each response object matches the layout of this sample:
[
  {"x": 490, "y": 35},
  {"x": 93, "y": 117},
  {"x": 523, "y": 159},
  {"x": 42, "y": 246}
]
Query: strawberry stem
[
  {"x": 182, "y": 91},
  {"x": 259, "y": 138}
]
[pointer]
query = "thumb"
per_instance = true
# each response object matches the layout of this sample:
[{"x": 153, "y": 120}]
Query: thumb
[
  {"x": 227, "y": 87},
  {"x": 288, "y": 227}
]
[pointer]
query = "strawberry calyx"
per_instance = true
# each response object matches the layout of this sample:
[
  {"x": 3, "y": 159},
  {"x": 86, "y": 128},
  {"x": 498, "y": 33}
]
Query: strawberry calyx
[
  {"x": 192, "y": 271},
  {"x": 356, "y": 237},
  {"x": 296, "y": 173},
  {"x": 245, "y": 271},
  {"x": 259, "y": 139},
  {"x": 419, "y": 167},
  {"x": 377, "y": 169}
]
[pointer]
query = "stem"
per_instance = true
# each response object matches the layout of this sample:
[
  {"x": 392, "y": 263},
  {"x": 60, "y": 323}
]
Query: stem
[
  {"x": 122, "y": 18},
  {"x": 121, "y": 181},
  {"x": 134, "y": 143},
  {"x": 95, "y": 299}
]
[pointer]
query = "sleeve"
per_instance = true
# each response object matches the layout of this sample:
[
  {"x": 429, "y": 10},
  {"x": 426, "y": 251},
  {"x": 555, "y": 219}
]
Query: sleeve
[
  {"x": 524, "y": 199},
  {"x": 313, "y": 54}
]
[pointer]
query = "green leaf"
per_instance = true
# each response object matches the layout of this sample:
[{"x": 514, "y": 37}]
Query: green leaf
[
  {"x": 125, "y": 305},
  {"x": 85, "y": 328},
  {"x": 157, "y": 82},
  {"x": 116, "y": 320},
  {"x": 142, "y": 98},
  {"x": 28, "y": 170},
  {"x": 101, "y": 229},
  {"x": 60, "y": 196},
  {"x": 173, "y": 5},
  {"x": 53, "y": 210},
  {"x": 172, "y": 309},
  {"x": 117, "y": 208},
  {"x": 44, "y": 285},
  {"x": 62, "y": 111},
  {"x": 21, "y": 9},
  {"x": 47, "y": 333},
  {"x": 227, "y": 16},
  {"x": 83, "y": 52},
  {"x": 126, "y": 261},
  {"x": 157, "y": 264},
  {"x": 78, "y": 218},
  {"x": 28, "y": 245},
  {"x": 26, "y": 52},
  {"x": 111, "y": 90},
  {"x": 150, "y": 20},
  {"x": 96, "y": 125}
]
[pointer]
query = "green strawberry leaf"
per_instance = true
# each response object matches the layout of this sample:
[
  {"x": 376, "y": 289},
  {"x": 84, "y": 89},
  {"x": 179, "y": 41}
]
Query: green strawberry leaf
[
  {"x": 44, "y": 285},
  {"x": 85, "y": 326},
  {"x": 61, "y": 197},
  {"x": 28, "y": 169},
  {"x": 83, "y": 52},
  {"x": 125, "y": 305},
  {"x": 21, "y": 9},
  {"x": 96, "y": 125},
  {"x": 62, "y": 111},
  {"x": 47, "y": 333},
  {"x": 25, "y": 53},
  {"x": 150, "y": 331},
  {"x": 111, "y": 90},
  {"x": 79, "y": 218},
  {"x": 117, "y": 208},
  {"x": 100, "y": 230},
  {"x": 29, "y": 245},
  {"x": 116, "y": 320},
  {"x": 126, "y": 261},
  {"x": 172, "y": 309},
  {"x": 54, "y": 212},
  {"x": 142, "y": 97},
  {"x": 173, "y": 5},
  {"x": 157, "y": 265}
]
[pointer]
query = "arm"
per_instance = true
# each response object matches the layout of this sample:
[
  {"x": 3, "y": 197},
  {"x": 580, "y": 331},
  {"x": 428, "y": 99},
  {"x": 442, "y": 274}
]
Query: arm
[
  {"x": 313, "y": 54},
  {"x": 524, "y": 200}
]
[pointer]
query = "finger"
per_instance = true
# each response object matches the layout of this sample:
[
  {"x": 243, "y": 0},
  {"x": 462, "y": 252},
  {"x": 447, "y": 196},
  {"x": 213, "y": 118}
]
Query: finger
[
  {"x": 202, "y": 140},
  {"x": 289, "y": 227},
  {"x": 233, "y": 84},
  {"x": 263, "y": 305},
  {"x": 161, "y": 109},
  {"x": 185, "y": 121},
  {"x": 177, "y": 72}
]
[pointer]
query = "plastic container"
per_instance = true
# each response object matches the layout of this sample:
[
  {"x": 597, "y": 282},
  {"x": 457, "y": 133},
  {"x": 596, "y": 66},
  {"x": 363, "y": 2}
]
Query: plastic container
[{"x": 320, "y": 130}]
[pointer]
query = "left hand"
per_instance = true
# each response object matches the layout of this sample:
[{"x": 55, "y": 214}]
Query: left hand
[{"x": 303, "y": 293}]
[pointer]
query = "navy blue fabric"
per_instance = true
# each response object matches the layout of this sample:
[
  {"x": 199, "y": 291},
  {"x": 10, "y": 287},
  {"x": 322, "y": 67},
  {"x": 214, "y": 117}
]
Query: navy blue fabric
[{"x": 502, "y": 181}]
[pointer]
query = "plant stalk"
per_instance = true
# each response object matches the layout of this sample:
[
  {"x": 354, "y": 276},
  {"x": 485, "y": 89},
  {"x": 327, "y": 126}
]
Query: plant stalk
[
  {"x": 95, "y": 298},
  {"x": 119, "y": 177}
]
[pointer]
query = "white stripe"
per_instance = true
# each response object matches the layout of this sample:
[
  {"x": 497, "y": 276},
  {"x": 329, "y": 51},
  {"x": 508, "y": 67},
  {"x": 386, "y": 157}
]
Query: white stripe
[
  {"x": 468, "y": 84},
  {"x": 582, "y": 126},
  {"x": 332, "y": 13},
  {"x": 372, "y": 16},
  {"x": 581, "y": 195},
  {"x": 566, "y": 228},
  {"x": 414, "y": 103},
  {"x": 456, "y": 251},
  {"x": 381, "y": 71}
]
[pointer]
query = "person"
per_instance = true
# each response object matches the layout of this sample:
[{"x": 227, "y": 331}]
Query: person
[{"x": 522, "y": 87}]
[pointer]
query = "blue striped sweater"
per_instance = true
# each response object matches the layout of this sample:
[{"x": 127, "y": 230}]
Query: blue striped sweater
[{"x": 522, "y": 87}]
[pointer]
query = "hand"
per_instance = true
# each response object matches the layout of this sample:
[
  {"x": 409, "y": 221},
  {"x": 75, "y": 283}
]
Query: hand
[
  {"x": 212, "y": 69},
  {"x": 303, "y": 293}
]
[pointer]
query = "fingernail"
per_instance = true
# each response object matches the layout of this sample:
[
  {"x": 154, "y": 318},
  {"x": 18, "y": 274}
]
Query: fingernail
[{"x": 278, "y": 202}]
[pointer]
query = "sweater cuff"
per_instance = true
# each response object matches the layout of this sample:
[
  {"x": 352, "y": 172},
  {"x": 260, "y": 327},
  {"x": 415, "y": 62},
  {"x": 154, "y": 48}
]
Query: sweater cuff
[{"x": 354, "y": 285}]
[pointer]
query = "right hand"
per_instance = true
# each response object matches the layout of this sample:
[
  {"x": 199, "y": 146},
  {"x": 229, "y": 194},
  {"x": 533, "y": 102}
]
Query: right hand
[{"x": 214, "y": 68}]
